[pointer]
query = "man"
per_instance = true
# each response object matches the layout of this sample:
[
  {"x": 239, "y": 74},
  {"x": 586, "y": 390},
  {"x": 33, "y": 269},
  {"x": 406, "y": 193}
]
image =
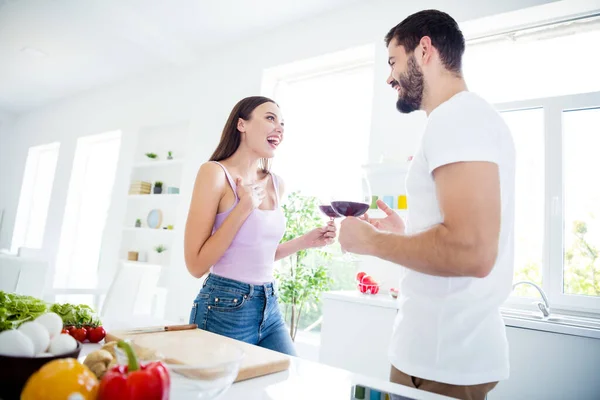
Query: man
[{"x": 456, "y": 250}]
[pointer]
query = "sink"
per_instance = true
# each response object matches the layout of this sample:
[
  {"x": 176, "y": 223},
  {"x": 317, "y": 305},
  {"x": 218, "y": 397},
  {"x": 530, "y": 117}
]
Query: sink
[{"x": 579, "y": 322}]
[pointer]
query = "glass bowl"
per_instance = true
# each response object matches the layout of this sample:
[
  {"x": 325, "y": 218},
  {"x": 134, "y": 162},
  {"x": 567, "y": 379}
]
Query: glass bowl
[{"x": 208, "y": 377}]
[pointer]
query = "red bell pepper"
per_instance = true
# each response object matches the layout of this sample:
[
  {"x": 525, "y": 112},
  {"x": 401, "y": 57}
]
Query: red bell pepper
[{"x": 135, "y": 381}]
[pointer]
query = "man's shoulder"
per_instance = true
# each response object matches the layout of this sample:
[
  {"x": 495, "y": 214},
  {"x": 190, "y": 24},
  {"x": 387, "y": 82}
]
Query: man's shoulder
[
  {"x": 465, "y": 112},
  {"x": 464, "y": 106}
]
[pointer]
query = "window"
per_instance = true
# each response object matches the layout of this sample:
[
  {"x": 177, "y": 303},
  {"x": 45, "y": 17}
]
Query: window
[
  {"x": 535, "y": 63},
  {"x": 557, "y": 227},
  {"x": 317, "y": 104},
  {"x": 326, "y": 103},
  {"x": 582, "y": 202},
  {"x": 88, "y": 199},
  {"x": 32, "y": 211},
  {"x": 527, "y": 127}
]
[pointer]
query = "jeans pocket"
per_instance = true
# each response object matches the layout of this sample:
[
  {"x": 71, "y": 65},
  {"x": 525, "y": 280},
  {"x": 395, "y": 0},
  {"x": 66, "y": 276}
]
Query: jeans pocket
[
  {"x": 198, "y": 308},
  {"x": 193, "y": 313},
  {"x": 223, "y": 300}
]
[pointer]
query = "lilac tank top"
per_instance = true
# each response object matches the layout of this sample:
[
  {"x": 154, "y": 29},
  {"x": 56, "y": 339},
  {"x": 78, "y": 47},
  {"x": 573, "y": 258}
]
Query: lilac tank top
[{"x": 251, "y": 256}]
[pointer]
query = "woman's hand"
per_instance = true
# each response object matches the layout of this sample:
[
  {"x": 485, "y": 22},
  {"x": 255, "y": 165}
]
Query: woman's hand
[
  {"x": 320, "y": 237},
  {"x": 252, "y": 194}
]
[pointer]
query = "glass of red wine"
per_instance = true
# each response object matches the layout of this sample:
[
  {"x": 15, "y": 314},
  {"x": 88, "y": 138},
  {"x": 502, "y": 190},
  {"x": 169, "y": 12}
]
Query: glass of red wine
[
  {"x": 351, "y": 198},
  {"x": 328, "y": 211}
]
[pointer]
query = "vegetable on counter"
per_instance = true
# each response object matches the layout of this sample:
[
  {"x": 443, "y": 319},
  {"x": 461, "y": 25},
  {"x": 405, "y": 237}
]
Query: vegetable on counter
[
  {"x": 37, "y": 338},
  {"x": 78, "y": 320},
  {"x": 135, "y": 381},
  {"x": 76, "y": 314},
  {"x": 64, "y": 378},
  {"x": 15, "y": 309},
  {"x": 99, "y": 361}
]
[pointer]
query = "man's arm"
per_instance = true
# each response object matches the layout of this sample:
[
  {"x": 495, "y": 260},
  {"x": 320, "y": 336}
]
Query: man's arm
[{"x": 466, "y": 242}]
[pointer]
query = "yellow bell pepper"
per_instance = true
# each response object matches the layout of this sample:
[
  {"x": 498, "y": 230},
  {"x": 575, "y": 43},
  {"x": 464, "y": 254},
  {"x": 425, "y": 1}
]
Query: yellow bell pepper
[{"x": 61, "y": 379}]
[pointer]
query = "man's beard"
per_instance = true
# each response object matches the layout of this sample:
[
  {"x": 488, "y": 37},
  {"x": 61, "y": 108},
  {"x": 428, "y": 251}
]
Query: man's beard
[{"x": 412, "y": 86}]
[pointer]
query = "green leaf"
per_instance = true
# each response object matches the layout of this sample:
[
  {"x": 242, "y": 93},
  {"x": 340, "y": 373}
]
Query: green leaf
[{"x": 15, "y": 309}]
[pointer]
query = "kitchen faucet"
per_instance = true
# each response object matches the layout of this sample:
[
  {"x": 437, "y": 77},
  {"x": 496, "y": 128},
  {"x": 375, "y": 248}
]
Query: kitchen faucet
[{"x": 545, "y": 306}]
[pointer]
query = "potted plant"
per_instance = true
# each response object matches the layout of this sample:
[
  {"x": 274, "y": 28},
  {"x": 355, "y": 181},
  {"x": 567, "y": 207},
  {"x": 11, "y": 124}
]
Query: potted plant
[
  {"x": 301, "y": 279},
  {"x": 169, "y": 155},
  {"x": 138, "y": 223},
  {"x": 152, "y": 156},
  {"x": 157, "y": 254},
  {"x": 158, "y": 187}
]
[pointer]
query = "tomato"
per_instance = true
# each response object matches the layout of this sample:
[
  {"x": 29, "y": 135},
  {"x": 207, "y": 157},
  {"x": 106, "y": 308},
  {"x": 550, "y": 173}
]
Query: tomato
[
  {"x": 79, "y": 334},
  {"x": 368, "y": 280},
  {"x": 360, "y": 275},
  {"x": 96, "y": 334}
]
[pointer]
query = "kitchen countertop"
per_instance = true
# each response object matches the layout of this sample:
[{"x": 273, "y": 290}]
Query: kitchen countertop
[
  {"x": 306, "y": 380},
  {"x": 511, "y": 318}
]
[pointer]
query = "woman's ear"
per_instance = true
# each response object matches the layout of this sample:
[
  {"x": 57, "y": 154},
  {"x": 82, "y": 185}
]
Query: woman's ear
[{"x": 241, "y": 125}]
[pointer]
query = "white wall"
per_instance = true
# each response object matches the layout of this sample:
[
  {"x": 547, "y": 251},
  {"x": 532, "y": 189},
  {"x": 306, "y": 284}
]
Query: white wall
[
  {"x": 204, "y": 95},
  {"x": 7, "y": 121}
]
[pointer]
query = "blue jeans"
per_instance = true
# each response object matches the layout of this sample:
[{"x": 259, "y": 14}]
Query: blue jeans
[{"x": 249, "y": 313}]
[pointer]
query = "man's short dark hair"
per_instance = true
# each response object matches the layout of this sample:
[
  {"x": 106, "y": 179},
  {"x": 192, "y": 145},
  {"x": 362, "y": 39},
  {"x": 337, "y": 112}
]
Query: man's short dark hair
[{"x": 441, "y": 28}]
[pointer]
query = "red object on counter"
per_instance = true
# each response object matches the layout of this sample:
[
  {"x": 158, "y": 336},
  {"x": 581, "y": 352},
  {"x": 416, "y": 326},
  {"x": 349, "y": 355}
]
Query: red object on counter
[
  {"x": 94, "y": 335},
  {"x": 79, "y": 334},
  {"x": 135, "y": 381}
]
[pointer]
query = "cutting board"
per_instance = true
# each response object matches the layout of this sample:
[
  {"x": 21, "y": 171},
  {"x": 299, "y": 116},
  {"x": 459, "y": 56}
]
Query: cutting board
[{"x": 185, "y": 347}]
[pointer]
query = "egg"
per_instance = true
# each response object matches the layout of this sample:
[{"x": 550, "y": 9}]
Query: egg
[
  {"x": 52, "y": 322},
  {"x": 38, "y": 334},
  {"x": 15, "y": 343},
  {"x": 62, "y": 344}
]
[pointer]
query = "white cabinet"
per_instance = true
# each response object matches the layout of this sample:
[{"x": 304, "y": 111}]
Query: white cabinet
[
  {"x": 550, "y": 366},
  {"x": 544, "y": 365},
  {"x": 356, "y": 332}
]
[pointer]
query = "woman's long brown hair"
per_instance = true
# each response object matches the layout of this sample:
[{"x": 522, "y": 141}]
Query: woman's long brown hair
[{"x": 231, "y": 137}]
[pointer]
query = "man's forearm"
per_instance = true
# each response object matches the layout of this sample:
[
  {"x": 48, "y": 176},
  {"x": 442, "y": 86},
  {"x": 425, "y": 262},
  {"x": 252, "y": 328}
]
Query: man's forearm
[{"x": 434, "y": 252}]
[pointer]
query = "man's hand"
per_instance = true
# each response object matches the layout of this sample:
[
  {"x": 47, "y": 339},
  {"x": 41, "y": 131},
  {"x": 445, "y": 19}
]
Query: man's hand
[
  {"x": 391, "y": 223},
  {"x": 356, "y": 235}
]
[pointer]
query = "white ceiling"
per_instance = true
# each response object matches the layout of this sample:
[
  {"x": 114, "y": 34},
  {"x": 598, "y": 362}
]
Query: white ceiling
[{"x": 86, "y": 44}]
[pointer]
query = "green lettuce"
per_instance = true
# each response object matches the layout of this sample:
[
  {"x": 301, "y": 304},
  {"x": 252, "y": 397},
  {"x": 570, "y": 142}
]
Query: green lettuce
[
  {"x": 76, "y": 314},
  {"x": 15, "y": 309}
]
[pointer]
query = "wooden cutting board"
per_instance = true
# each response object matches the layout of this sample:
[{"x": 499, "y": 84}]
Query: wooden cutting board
[{"x": 186, "y": 347}]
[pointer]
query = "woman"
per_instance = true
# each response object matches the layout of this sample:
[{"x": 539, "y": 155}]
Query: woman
[{"x": 234, "y": 227}]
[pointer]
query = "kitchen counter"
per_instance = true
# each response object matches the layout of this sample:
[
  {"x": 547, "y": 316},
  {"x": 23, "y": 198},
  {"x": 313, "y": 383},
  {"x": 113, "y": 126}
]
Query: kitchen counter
[
  {"x": 307, "y": 380},
  {"x": 556, "y": 323}
]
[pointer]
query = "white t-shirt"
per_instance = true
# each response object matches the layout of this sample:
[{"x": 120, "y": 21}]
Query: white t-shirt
[{"x": 450, "y": 329}]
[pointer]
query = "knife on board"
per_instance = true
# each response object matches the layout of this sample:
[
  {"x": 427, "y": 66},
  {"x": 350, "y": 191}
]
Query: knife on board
[{"x": 165, "y": 328}]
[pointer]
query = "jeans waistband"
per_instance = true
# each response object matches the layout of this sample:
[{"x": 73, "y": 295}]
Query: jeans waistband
[{"x": 240, "y": 287}]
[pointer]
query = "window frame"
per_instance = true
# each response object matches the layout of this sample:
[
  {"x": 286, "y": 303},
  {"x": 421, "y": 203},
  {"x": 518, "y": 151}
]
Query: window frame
[
  {"x": 30, "y": 178},
  {"x": 63, "y": 264},
  {"x": 554, "y": 178}
]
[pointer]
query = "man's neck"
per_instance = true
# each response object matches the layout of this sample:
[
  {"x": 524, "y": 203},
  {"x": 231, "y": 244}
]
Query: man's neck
[{"x": 441, "y": 90}]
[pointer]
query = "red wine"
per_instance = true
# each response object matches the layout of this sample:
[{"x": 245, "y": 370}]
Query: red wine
[
  {"x": 349, "y": 208},
  {"x": 328, "y": 210}
]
